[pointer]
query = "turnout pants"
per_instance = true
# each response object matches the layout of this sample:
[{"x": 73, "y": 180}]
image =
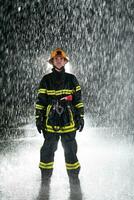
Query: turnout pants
[{"x": 50, "y": 146}]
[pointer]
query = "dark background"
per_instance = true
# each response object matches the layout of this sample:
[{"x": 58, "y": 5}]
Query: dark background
[{"x": 98, "y": 36}]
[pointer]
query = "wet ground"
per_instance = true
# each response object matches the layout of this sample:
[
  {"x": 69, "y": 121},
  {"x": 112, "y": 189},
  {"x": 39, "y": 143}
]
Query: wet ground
[{"x": 106, "y": 157}]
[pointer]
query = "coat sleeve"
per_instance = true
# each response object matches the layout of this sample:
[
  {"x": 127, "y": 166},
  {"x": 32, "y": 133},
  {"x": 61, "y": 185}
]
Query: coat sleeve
[
  {"x": 41, "y": 103},
  {"x": 77, "y": 99}
]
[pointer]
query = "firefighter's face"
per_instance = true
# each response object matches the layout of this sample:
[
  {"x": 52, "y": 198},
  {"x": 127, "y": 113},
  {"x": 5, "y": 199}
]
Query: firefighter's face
[{"x": 59, "y": 62}]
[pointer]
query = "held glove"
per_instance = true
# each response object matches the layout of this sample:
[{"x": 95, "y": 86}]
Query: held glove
[
  {"x": 81, "y": 124},
  {"x": 40, "y": 124}
]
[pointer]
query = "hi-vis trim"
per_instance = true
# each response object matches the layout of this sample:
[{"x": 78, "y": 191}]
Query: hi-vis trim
[
  {"x": 38, "y": 106},
  {"x": 37, "y": 116},
  {"x": 78, "y": 88},
  {"x": 55, "y": 92},
  {"x": 43, "y": 165},
  {"x": 72, "y": 166},
  {"x": 61, "y": 130},
  {"x": 81, "y": 115},
  {"x": 79, "y": 105},
  {"x": 58, "y": 92},
  {"x": 57, "y": 129},
  {"x": 42, "y": 91}
]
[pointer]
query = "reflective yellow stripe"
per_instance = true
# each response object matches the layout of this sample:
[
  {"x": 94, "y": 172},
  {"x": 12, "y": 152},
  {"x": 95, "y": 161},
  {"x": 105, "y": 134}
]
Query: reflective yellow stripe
[
  {"x": 46, "y": 165},
  {"x": 72, "y": 166},
  {"x": 61, "y": 130},
  {"x": 40, "y": 107},
  {"x": 64, "y": 129},
  {"x": 79, "y": 105},
  {"x": 81, "y": 115},
  {"x": 59, "y": 92},
  {"x": 55, "y": 92},
  {"x": 50, "y": 92},
  {"x": 78, "y": 88},
  {"x": 37, "y": 116},
  {"x": 42, "y": 91}
]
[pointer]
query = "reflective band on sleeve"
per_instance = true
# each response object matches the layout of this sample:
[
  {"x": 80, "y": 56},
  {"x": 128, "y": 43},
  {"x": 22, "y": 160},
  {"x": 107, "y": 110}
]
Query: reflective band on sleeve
[
  {"x": 42, "y": 91},
  {"x": 78, "y": 88},
  {"x": 79, "y": 105},
  {"x": 40, "y": 107},
  {"x": 37, "y": 116},
  {"x": 81, "y": 115}
]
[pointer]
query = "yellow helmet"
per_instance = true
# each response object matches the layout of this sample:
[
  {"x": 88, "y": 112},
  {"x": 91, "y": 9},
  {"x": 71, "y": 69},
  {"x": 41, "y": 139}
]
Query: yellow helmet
[{"x": 57, "y": 52}]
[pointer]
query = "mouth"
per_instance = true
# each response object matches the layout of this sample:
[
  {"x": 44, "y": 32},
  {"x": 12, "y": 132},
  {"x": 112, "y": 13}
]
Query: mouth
[{"x": 59, "y": 64}]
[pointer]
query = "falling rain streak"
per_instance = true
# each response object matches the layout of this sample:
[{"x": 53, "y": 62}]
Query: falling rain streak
[{"x": 98, "y": 37}]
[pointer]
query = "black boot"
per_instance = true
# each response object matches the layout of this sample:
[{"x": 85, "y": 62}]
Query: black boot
[
  {"x": 46, "y": 176},
  {"x": 74, "y": 179}
]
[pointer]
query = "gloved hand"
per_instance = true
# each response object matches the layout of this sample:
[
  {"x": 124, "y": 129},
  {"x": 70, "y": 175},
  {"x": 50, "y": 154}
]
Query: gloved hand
[
  {"x": 81, "y": 124},
  {"x": 39, "y": 124}
]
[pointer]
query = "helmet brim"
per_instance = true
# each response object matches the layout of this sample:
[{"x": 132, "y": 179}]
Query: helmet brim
[{"x": 51, "y": 60}]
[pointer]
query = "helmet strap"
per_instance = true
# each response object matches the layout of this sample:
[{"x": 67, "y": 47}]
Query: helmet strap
[{"x": 58, "y": 68}]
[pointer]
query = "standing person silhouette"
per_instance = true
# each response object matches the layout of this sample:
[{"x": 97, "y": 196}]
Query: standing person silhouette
[{"x": 59, "y": 114}]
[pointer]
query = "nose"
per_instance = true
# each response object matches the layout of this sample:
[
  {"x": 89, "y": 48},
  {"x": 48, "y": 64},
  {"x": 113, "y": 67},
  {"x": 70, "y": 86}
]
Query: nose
[{"x": 58, "y": 59}]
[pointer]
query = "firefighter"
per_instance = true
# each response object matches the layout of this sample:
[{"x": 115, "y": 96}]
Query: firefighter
[{"x": 59, "y": 114}]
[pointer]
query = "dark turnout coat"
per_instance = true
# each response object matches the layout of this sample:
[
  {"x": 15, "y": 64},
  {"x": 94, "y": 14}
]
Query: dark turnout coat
[{"x": 60, "y": 115}]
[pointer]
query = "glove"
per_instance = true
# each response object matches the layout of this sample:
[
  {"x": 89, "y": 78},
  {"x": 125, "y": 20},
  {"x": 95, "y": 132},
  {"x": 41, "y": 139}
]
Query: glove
[
  {"x": 40, "y": 124},
  {"x": 81, "y": 124}
]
